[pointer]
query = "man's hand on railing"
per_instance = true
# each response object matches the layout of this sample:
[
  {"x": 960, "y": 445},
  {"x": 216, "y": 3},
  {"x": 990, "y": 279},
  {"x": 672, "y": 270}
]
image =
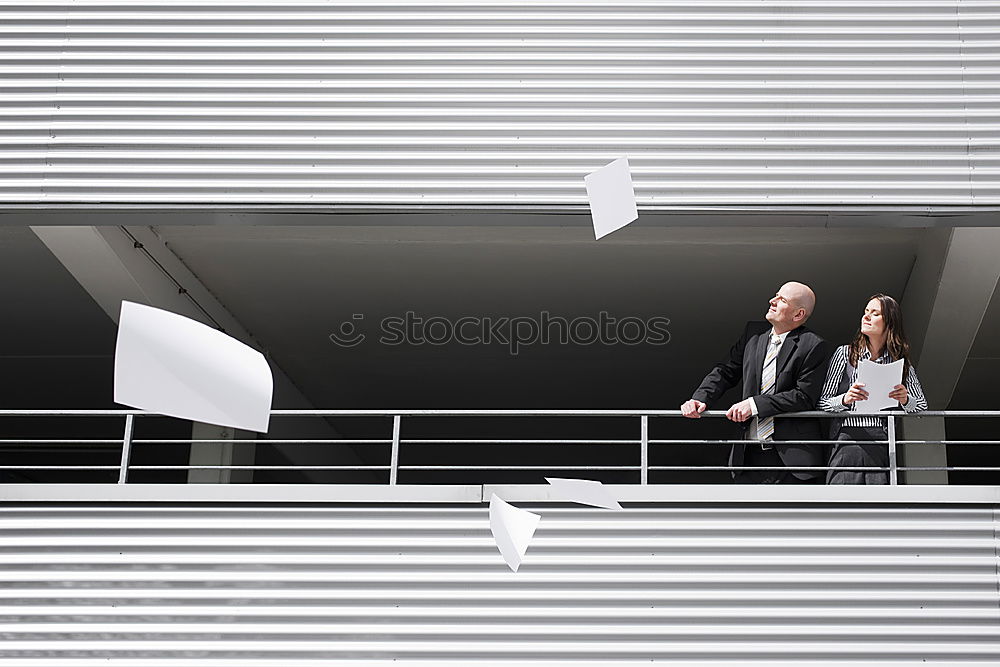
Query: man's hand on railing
[
  {"x": 692, "y": 409},
  {"x": 740, "y": 412}
]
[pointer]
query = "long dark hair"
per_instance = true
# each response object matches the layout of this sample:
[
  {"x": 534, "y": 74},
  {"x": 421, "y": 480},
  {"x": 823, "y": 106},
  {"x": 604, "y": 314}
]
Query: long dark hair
[{"x": 895, "y": 338}]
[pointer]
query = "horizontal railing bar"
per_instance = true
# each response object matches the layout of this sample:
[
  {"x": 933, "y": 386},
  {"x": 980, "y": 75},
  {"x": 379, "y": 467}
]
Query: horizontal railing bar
[
  {"x": 27, "y": 441},
  {"x": 76, "y": 413},
  {"x": 223, "y": 441},
  {"x": 518, "y": 442},
  {"x": 915, "y": 468},
  {"x": 115, "y": 467},
  {"x": 502, "y": 468},
  {"x": 506, "y": 413},
  {"x": 947, "y": 442},
  {"x": 689, "y": 441},
  {"x": 41, "y": 467},
  {"x": 472, "y": 441},
  {"x": 206, "y": 467},
  {"x": 817, "y": 468},
  {"x": 693, "y": 441},
  {"x": 957, "y": 468},
  {"x": 947, "y": 413},
  {"x": 616, "y": 413},
  {"x": 456, "y": 467}
]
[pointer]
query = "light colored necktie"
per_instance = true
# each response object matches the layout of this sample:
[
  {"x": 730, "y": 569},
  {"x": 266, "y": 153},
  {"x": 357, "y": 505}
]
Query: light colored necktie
[{"x": 765, "y": 426}]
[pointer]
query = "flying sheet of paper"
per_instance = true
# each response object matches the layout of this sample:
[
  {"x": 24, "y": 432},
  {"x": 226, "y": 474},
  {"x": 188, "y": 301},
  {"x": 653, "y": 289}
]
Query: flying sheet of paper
[
  {"x": 583, "y": 491},
  {"x": 879, "y": 379},
  {"x": 612, "y": 199},
  {"x": 175, "y": 366},
  {"x": 512, "y": 529}
]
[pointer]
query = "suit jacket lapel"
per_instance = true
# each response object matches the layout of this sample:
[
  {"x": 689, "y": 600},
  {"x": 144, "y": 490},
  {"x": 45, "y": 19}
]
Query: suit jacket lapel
[
  {"x": 791, "y": 340},
  {"x": 758, "y": 366}
]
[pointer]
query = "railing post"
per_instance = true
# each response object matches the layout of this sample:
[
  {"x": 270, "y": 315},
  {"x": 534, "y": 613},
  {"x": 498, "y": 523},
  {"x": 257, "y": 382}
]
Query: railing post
[
  {"x": 394, "y": 463},
  {"x": 893, "y": 472},
  {"x": 126, "y": 448},
  {"x": 644, "y": 464}
]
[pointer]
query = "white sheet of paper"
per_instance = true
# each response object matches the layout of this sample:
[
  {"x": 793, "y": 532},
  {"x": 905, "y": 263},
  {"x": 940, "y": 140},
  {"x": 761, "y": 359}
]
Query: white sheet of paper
[
  {"x": 583, "y": 491},
  {"x": 612, "y": 198},
  {"x": 879, "y": 379},
  {"x": 175, "y": 366},
  {"x": 512, "y": 529}
]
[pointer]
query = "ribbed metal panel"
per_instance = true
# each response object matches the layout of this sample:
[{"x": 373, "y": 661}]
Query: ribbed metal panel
[
  {"x": 497, "y": 102},
  {"x": 225, "y": 585}
]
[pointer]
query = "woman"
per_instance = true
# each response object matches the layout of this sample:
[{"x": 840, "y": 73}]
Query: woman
[{"x": 880, "y": 339}]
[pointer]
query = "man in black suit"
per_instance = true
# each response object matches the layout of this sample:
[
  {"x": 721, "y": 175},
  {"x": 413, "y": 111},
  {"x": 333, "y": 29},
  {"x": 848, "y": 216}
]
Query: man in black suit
[{"x": 782, "y": 365}]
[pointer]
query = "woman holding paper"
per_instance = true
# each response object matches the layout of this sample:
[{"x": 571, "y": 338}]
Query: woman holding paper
[{"x": 880, "y": 340}]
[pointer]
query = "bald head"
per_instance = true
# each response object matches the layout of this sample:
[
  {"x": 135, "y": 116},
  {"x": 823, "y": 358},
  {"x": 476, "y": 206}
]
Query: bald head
[
  {"x": 790, "y": 307},
  {"x": 801, "y": 296}
]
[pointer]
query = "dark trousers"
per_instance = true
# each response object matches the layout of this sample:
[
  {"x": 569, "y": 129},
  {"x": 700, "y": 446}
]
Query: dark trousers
[
  {"x": 853, "y": 448},
  {"x": 755, "y": 455}
]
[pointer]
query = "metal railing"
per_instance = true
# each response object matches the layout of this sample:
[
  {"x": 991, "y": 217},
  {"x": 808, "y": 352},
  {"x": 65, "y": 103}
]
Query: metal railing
[{"x": 397, "y": 442}]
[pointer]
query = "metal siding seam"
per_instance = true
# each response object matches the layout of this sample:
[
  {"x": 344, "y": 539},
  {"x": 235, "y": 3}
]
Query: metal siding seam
[
  {"x": 996, "y": 552},
  {"x": 965, "y": 104}
]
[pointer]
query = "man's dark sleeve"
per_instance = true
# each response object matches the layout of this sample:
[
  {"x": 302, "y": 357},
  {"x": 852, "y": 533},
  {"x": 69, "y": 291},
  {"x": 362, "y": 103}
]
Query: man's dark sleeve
[
  {"x": 808, "y": 386},
  {"x": 727, "y": 373}
]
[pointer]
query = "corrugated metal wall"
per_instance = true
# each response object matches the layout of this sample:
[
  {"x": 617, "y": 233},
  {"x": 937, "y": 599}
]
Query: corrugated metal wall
[
  {"x": 476, "y": 103},
  {"x": 224, "y": 585}
]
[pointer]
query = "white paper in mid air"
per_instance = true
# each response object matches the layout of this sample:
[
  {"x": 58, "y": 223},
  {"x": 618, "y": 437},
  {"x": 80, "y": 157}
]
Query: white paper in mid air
[
  {"x": 175, "y": 366},
  {"x": 512, "y": 529},
  {"x": 583, "y": 491},
  {"x": 612, "y": 199},
  {"x": 879, "y": 379}
]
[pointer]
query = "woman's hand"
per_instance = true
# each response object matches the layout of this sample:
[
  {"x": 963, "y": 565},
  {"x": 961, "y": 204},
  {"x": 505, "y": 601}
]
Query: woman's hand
[
  {"x": 898, "y": 393},
  {"x": 855, "y": 393}
]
